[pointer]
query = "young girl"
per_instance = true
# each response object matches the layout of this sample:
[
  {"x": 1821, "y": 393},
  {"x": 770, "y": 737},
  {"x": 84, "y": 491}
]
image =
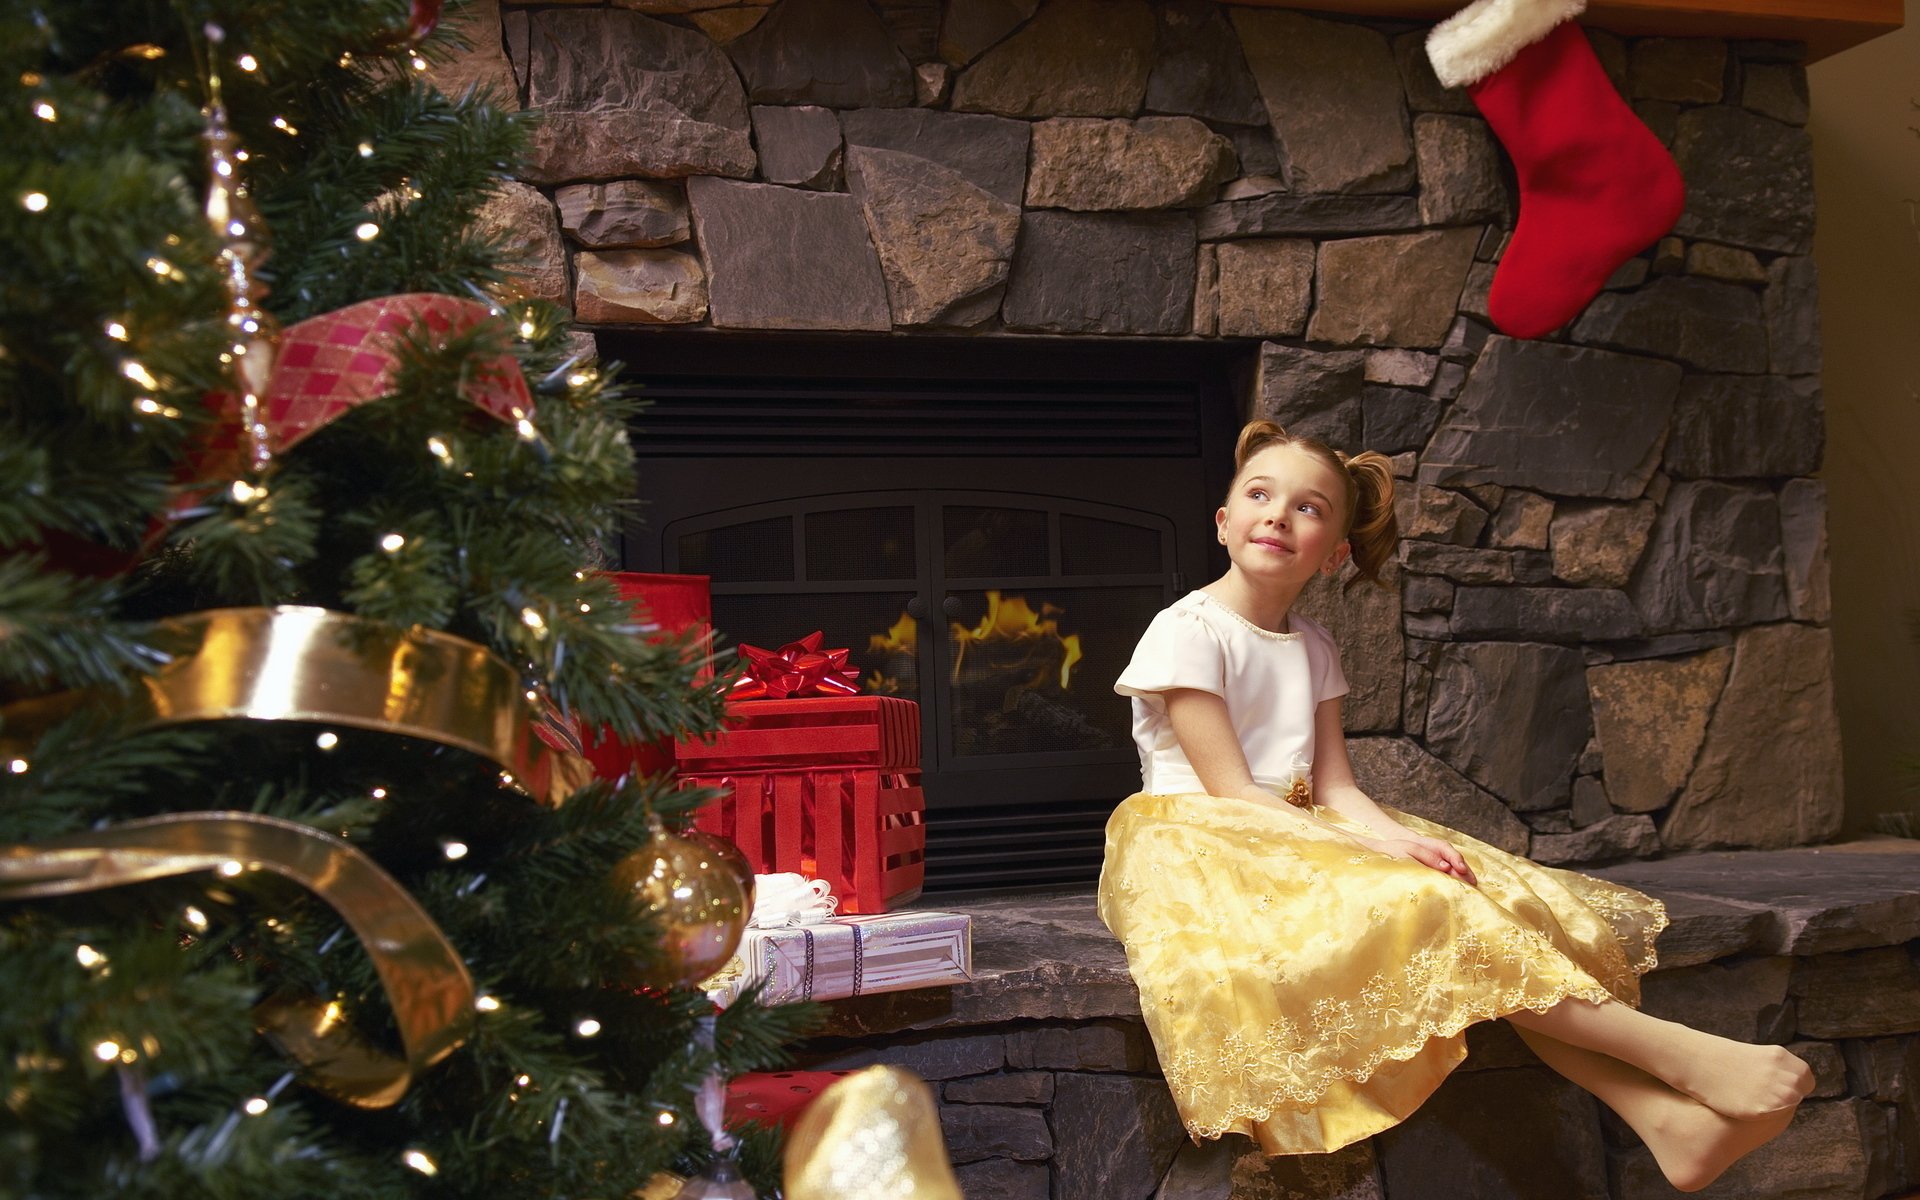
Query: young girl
[{"x": 1307, "y": 960}]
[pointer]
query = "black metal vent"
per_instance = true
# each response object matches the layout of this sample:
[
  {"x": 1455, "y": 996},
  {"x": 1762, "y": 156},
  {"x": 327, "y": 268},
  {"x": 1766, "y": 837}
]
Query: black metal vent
[
  {"x": 1024, "y": 845},
  {"x": 707, "y": 417}
]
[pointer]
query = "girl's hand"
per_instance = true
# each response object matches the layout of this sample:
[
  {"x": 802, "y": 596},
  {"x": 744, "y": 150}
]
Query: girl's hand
[{"x": 1432, "y": 852}]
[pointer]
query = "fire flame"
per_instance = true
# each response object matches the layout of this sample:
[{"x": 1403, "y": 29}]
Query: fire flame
[
  {"x": 1013, "y": 620},
  {"x": 903, "y": 637}
]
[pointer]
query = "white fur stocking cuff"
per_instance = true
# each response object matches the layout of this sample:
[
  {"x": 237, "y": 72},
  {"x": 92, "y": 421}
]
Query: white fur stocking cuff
[{"x": 1485, "y": 35}]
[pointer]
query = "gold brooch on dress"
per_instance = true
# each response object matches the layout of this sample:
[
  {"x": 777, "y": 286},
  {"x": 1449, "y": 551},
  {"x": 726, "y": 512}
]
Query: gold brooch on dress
[{"x": 1300, "y": 795}]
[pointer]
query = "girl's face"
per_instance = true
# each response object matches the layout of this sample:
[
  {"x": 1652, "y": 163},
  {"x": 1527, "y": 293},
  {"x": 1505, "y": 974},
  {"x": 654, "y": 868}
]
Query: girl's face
[{"x": 1285, "y": 518}]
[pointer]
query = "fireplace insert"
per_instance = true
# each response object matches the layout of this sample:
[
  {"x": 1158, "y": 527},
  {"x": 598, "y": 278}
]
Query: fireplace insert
[{"x": 987, "y": 527}]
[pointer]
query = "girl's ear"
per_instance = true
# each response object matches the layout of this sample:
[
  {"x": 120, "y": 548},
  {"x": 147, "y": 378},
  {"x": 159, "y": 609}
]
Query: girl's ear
[
  {"x": 1337, "y": 559},
  {"x": 1220, "y": 524}
]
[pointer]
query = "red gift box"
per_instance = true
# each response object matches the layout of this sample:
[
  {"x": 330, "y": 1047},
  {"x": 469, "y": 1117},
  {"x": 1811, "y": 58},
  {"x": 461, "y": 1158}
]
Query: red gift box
[
  {"x": 776, "y": 1097},
  {"x": 828, "y": 786},
  {"x": 673, "y": 603}
]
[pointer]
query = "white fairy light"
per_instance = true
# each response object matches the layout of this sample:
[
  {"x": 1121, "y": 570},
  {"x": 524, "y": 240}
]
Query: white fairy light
[
  {"x": 244, "y": 492},
  {"x": 195, "y": 917},
  {"x": 379, "y": 793},
  {"x": 587, "y": 1027},
  {"x": 106, "y": 1051},
  {"x": 255, "y": 1105},
  {"x": 528, "y": 329},
  {"x": 366, "y": 231},
  {"x": 393, "y": 542},
  {"x": 248, "y": 62},
  {"x": 116, "y": 331},
  {"x": 666, "y": 1118},
  {"x": 231, "y": 868},
  {"x": 486, "y": 1003},
  {"x": 525, "y": 429},
  {"x": 138, "y": 372},
  {"x": 532, "y": 620},
  {"x": 34, "y": 202},
  {"x": 88, "y": 956},
  {"x": 18, "y": 766},
  {"x": 418, "y": 1160},
  {"x": 45, "y": 111},
  {"x": 453, "y": 850},
  {"x": 327, "y": 739}
]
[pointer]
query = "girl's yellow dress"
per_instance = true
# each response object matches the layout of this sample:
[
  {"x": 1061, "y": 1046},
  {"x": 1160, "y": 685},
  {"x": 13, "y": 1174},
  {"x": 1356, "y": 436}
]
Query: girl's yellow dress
[{"x": 1300, "y": 989}]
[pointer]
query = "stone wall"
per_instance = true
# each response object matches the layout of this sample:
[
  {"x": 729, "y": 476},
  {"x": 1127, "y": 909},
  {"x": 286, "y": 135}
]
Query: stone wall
[{"x": 1608, "y": 633}]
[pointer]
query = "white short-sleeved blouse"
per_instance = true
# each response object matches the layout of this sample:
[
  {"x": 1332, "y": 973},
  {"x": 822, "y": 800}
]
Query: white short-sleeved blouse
[{"x": 1272, "y": 683}]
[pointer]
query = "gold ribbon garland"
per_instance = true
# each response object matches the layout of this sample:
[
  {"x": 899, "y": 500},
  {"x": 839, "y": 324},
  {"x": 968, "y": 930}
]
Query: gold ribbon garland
[
  {"x": 296, "y": 663},
  {"x": 427, "y": 984}
]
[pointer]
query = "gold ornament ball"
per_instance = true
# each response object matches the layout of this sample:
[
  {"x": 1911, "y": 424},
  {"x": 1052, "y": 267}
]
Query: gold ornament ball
[
  {"x": 698, "y": 900},
  {"x": 729, "y": 856}
]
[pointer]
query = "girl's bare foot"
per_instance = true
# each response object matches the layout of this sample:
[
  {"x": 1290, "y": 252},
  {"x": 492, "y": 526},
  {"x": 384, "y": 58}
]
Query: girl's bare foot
[
  {"x": 1693, "y": 1145},
  {"x": 1741, "y": 1080}
]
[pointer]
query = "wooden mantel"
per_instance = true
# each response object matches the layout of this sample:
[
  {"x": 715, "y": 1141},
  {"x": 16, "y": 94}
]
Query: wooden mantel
[{"x": 1826, "y": 26}]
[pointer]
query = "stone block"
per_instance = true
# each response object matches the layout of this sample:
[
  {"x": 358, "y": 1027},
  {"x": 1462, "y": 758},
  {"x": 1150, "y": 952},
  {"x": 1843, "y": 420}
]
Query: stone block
[
  {"x": 1259, "y": 157},
  {"x": 1543, "y": 614},
  {"x": 1285, "y": 214},
  {"x": 1651, "y": 718},
  {"x": 1013, "y": 1087},
  {"x": 1365, "y": 620},
  {"x": 1886, "y": 1069},
  {"x": 482, "y": 64},
  {"x": 1199, "y": 70},
  {"x": 1703, "y": 930},
  {"x": 988, "y": 152},
  {"x": 1089, "y": 164},
  {"x": 830, "y": 279},
  {"x": 1460, "y": 171},
  {"x": 1727, "y": 263},
  {"x": 1598, "y": 545},
  {"x": 1660, "y": 116},
  {"x": 1419, "y": 686},
  {"x": 1311, "y": 392},
  {"x": 626, "y": 213},
  {"x": 1564, "y": 419},
  {"x": 1525, "y": 522},
  {"x": 991, "y": 1131},
  {"x": 1401, "y": 368},
  {"x": 1424, "y": 91},
  {"x": 723, "y": 25},
  {"x": 1589, "y": 804},
  {"x": 639, "y": 287},
  {"x": 930, "y": 83},
  {"x": 1818, "y": 1157},
  {"x": 1005, "y": 1179},
  {"x": 1333, "y": 94},
  {"x": 914, "y": 26},
  {"x": 835, "y": 53},
  {"x": 1707, "y": 325},
  {"x": 1747, "y": 1001},
  {"x": 1606, "y": 840},
  {"x": 1685, "y": 70},
  {"x": 1075, "y": 58},
  {"x": 1803, "y": 546},
  {"x": 1102, "y": 1046},
  {"x": 933, "y": 1057},
  {"x": 1396, "y": 420},
  {"x": 945, "y": 245},
  {"x": 1776, "y": 90},
  {"x": 1713, "y": 559},
  {"x": 1448, "y": 381},
  {"x": 1206, "y": 292},
  {"x": 1768, "y": 774},
  {"x": 1829, "y": 1065},
  {"x": 1745, "y": 427},
  {"x": 1749, "y": 180},
  {"x": 1511, "y": 716},
  {"x": 1467, "y": 564},
  {"x": 1102, "y": 273},
  {"x": 1498, "y": 1135},
  {"x": 1425, "y": 594},
  {"x": 1116, "y": 1136},
  {"x": 1436, "y": 514},
  {"x": 1347, "y": 1174},
  {"x": 523, "y": 221},
  {"x": 1398, "y": 773},
  {"x": 970, "y": 27},
  {"x": 1265, "y": 287},
  {"x": 1392, "y": 290},
  {"x": 625, "y": 95},
  {"x": 1792, "y": 307},
  {"x": 799, "y": 145},
  {"x": 1862, "y": 994}
]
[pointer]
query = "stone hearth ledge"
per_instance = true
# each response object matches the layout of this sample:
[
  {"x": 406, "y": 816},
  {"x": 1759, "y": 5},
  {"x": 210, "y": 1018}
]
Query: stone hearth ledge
[{"x": 1046, "y": 956}]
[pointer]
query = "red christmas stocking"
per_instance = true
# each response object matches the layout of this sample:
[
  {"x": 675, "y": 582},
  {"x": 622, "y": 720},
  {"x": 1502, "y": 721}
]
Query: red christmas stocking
[{"x": 1596, "y": 186}]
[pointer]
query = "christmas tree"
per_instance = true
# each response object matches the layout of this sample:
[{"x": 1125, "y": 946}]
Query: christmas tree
[{"x": 298, "y": 506}]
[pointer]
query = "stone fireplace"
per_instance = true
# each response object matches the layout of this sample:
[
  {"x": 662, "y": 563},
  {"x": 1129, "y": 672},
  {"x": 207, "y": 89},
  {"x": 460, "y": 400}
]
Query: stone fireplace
[{"x": 1607, "y": 634}]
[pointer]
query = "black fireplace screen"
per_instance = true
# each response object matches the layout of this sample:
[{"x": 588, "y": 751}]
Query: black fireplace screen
[{"x": 1001, "y": 589}]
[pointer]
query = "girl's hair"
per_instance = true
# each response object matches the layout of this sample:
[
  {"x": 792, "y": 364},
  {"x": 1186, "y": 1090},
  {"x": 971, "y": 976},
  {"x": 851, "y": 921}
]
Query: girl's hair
[{"x": 1371, "y": 527}]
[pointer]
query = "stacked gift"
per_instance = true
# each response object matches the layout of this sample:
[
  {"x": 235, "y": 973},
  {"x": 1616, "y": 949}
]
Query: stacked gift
[
  {"x": 825, "y": 785},
  {"x": 669, "y": 606},
  {"x": 849, "y": 956}
]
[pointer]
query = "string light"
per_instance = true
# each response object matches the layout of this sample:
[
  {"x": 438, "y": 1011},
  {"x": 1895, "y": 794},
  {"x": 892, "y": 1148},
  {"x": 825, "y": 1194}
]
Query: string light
[
  {"x": 327, "y": 739},
  {"x": 45, "y": 111},
  {"x": 439, "y": 450},
  {"x": 418, "y": 1160},
  {"x": 580, "y": 379},
  {"x": 587, "y": 1027},
  {"x": 231, "y": 868},
  {"x": 18, "y": 766},
  {"x": 106, "y": 1051},
  {"x": 666, "y": 1118},
  {"x": 366, "y": 149},
  {"x": 533, "y": 620},
  {"x": 34, "y": 202},
  {"x": 255, "y": 1105},
  {"x": 392, "y": 543},
  {"x": 585, "y": 607},
  {"x": 286, "y": 127},
  {"x": 346, "y": 59},
  {"x": 366, "y": 231},
  {"x": 419, "y": 64},
  {"x": 453, "y": 850},
  {"x": 195, "y": 917},
  {"x": 139, "y": 374},
  {"x": 486, "y": 1004},
  {"x": 153, "y": 408},
  {"x": 525, "y": 429},
  {"x": 506, "y": 779},
  {"x": 522, "y": 1080},
  {"x": 244, "y": 492},
  {"x": 116, "y": 331},
  {"x": 528, "y": 329},
  {"x": 88, "y": 956},
  {"x": 248, "y": 62},
  {"x": 379, "y": 793}
]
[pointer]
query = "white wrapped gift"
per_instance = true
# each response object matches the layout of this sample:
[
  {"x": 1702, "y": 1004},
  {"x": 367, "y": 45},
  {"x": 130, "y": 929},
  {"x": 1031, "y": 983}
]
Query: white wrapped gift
[{"x": 850, "y": 956}]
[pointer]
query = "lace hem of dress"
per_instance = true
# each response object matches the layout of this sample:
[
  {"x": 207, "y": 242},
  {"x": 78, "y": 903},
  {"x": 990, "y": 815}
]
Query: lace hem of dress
[{"x": 1188, "y": 1078}]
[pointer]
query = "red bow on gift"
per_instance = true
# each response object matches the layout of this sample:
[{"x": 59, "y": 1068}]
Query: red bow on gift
[{"x": 796, "y": 669}]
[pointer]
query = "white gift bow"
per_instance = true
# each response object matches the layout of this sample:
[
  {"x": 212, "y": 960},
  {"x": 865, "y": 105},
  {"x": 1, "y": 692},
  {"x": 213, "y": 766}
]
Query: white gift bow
[{"x": 790, "y": 898}]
